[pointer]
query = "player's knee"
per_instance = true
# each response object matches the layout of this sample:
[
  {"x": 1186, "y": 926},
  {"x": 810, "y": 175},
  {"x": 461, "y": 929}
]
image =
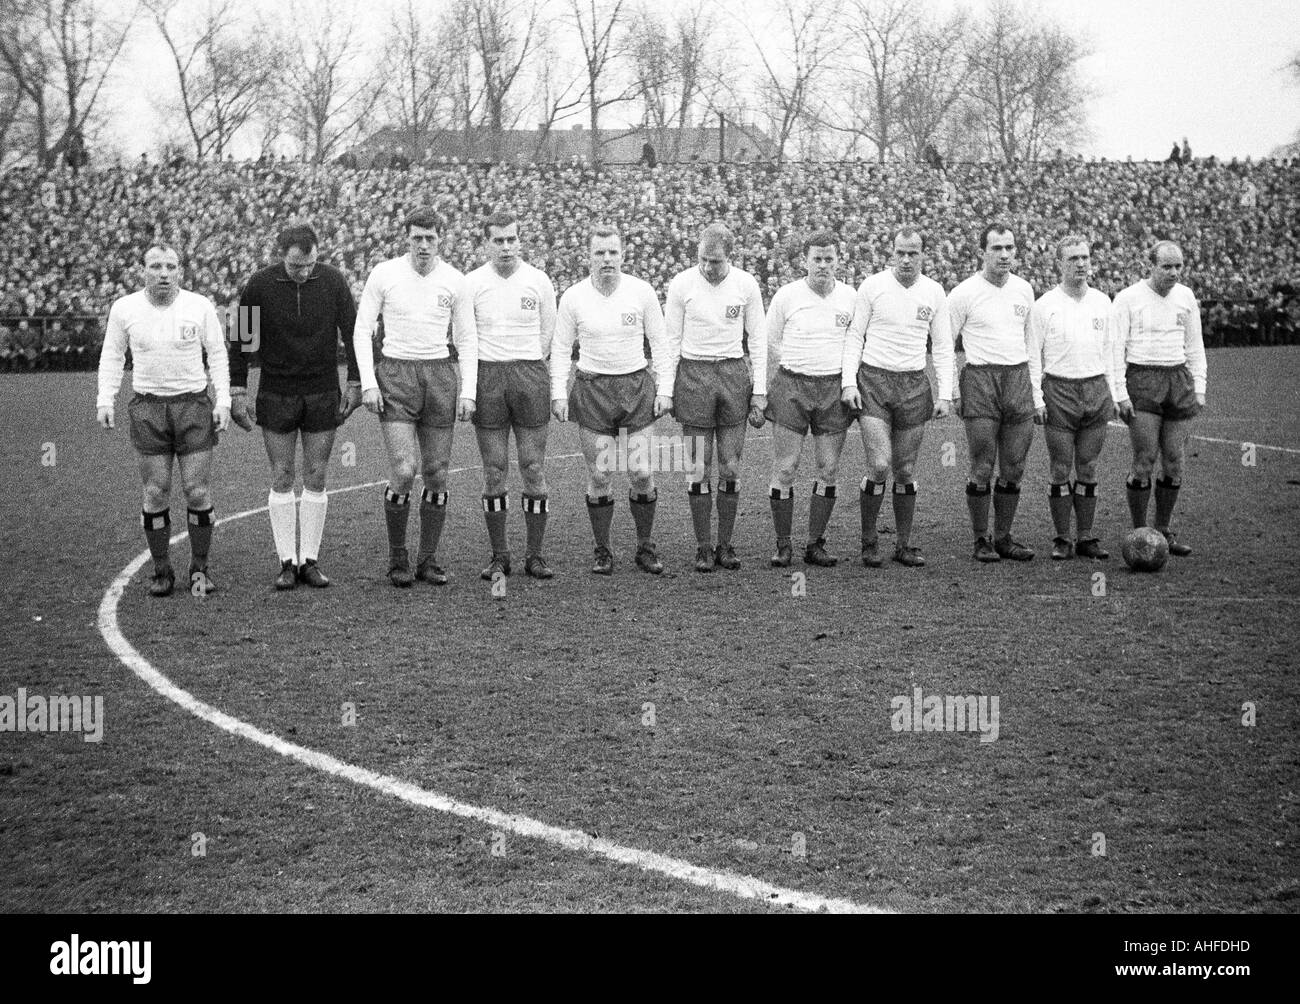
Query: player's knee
[
  {"x": 402, "y": 475},
  {"x": 728, "y": 470},
  {"x": 981, "y": 471},
  {"x": 435, "y": 477},
  {"x": 878, "y": 467},
  {"x": 1172, "y": 467},
  {"x": 784, "y": 471},
  {"x": 494, "y": 479},
  {"x": 533, "y": 474},
  {"x": 904, "y": 470},
  {"x": 198, "y": 497},
  {"x": 156, "y": 497},
  {"x": 313, "y": 479},
  {"x": 598, "y": 484},
  {"x": 1060, "y": 471},
  {"x": 828, "y": 471},
  {"x": 1086, "y": 470},
  {"x": 1143, "y": 464},
  {"x": 1012, "y": 471}
]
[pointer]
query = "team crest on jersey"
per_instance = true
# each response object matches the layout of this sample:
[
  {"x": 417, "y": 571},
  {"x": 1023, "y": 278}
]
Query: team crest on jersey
[
  {"x": 1022, "y": 310},
  {"x": 733, "y": 312},
  {"x": 924, "y": 313},
  {"x": 444, "y": 301},
  {"x": 1099, "y": 324},
  {"x": 1182, "y": 318},
  {"x": 629, "y": 318},
  {"x": 842, "y": 320},
  {"x": 527, "y": 303},
  {"x": 189, "y": 332}
]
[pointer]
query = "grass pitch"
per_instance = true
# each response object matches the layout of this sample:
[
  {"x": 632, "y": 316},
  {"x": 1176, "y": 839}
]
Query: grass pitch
[{"x": 722, "y": 719}]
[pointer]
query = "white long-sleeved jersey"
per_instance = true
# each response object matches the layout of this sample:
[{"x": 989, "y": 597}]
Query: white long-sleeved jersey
[
  {"x": 1072, "y": 338},
  {"x": 1161, "y": 330},
  {"x": 807, "y": 330},
  {"x": 514, "y": 315},
  {"x": 991, "y": 320},
  {"x": 610, "y": 331},
  {"x": 891, "y": 323},
  {"x": 705, "y": 321}
]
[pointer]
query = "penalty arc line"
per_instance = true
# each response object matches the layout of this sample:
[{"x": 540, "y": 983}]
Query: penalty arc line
[{"x": 732, "y": 883}]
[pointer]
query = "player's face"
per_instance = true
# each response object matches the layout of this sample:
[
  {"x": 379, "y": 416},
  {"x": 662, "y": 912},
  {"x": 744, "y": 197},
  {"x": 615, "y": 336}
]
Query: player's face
[
  {"x": 162, "y": 273},
  {"x": 423, "y": 242},
  {"x": 299, "y": 263},
  {"x": 713, "y": 262},
  {"x": 503, "y": 245},
  {"x": 1075, "y": 263},
  {"x": 821, "y": 263},
  {"x": 907, "y": 257},
  {"x": 606, "y": 256},
  {"x": 1167, "y": 270},
  {"x": 999, "y": 253}
]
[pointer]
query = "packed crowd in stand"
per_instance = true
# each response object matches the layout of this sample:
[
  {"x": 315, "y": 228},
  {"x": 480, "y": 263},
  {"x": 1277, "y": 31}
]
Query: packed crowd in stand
[{"x": 73, "y": 242}]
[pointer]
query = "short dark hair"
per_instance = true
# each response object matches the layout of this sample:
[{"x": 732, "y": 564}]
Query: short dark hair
[
  {"x": 907, "y": 230},
  {"x": 603, "y": 230},
  {"x": 820, "y": 239},
  {"x": 427, "y": 217},
  {"x": 297, "y": 235},
  {"x": 500, "y": 220},
  {"x": 718, "y": 233},
  {"x": 996, "y": 227}
]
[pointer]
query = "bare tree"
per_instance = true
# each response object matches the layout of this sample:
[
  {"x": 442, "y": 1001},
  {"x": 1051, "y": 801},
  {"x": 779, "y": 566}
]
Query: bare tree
[
  {"x": 417, "y": 100},
  {"x": 224, "y": 70},
  {"x": 501, "y": 36},
  {"x": 57, "y": 55},
  {"x": 328, "y": 90},
  {"x": 933, "y": 81},
  {"x": 669, "y": 61},
  {"x": 557, "y": 87},
  {"x": 1025, "y": 82},
  {"x": 870, "y": 68},
  {"x": 600, "y": 24}
]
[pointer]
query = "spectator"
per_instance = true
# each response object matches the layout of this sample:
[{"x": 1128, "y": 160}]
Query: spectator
[
  {"x": 1174, "y": 157},
  {"x": 1187, "y": 151}
]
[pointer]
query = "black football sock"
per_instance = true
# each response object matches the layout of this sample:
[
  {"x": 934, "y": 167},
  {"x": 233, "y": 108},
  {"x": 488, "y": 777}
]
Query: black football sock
[
  {"x": 397, "y": 508},
  {"x": 782, "y": 513},
  {"x": 535, "y": 509},
  {"x": 871, "y": 495},
  {"x": 601, "y": 512},
  {"x": 1085, "y": 507},
  {"x": 495, "y": 511},
  {"x": 643, "y": 513},
  {"x": 200, "y": 522},
  {"x": 433, "y": 514},
  {"x": 1006, "y": 497},
  {"x": 1060, "y": 501},
  {"x": 904, "y": 511},
  {"x": 1166, "y": 499},
  {"x": 819, "y": 510},
  {"x": 977, "y": 501},
  {"x": 1139, "y": 498},
  {"x": 728, "y": 503},
  {"x": 701, "y": 499},
  {"x": 157, "y": 532}
]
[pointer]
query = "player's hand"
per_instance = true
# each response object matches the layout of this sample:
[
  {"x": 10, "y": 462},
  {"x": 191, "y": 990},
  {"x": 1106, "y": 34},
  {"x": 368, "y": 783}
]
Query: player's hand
[
  {"x": 350, "y": 401},
  {"x": 1200, "y": 400},
  {"x": 222, "y": 417},
  {"x": 757, "y": 407},
  {"x": 1125, "y": 410},
  {"x": 104, "y": 416},
  {"x": 1040, "y": 415},
  {"x": 560, "y": 409},
  {"x": 465, "y": 409},
  {"x": 241, "y": 412},
  {"x": 942, "y": 408},
  {"x": 663, "y": 405},
  {"x": 850, "y": 397},
  {"x": 373, "y": 400}
]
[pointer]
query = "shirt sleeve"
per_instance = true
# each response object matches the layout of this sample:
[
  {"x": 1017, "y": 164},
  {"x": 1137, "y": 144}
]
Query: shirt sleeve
[
  {"x": 756, "y": 325},
  {"x": 214, "y": 343},
  {"x": 464, "y": 331},
  {"x": 566, "y": 333},
  {"x": 941, "y": 347},
  {"x": 1194, "y": 346},
  {"x": 656, "y": 333},
  {"x": 242, "y": 327},
  {"x": 363, "y": 334},
  {"x": 674, "y": 328},
  {"x": 1119, "y": 333},
  {"x": 546, "y": 310},
  {"x": 112, "y": 358},
  {"x": 347, "y": 324},
  {"x": 855, "y": 338},
  {"x": 775, "y": 329},
  {"x": 1035, "y": 337}
]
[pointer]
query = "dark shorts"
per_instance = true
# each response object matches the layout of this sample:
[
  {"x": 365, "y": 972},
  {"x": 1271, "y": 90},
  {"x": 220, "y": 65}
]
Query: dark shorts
[
  {"x": 291, "y": 412},
  {"x": 1073, "y": 404},
  {"x": 422, "y": 391},
  {"x": 1166, "y": 391},
  {"x": 712, "y": 394},
  {"x": 798, "y": 402},
  {"x": 1000, "y": 393},
  {"x": 178, "y": 425},
  {"x": 903, "y": 399},
  {"x": 513, "y": 394},
  {"x": 605, "y": 404}
]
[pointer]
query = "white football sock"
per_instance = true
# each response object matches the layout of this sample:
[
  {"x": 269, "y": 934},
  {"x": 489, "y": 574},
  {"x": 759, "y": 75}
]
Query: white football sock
[
  {"x": 284, "y": 524},
  {"x": 312, "y": 518}
]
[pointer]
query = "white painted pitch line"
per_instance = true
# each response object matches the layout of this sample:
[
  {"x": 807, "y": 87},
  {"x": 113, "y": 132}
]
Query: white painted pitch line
[
  {"x": 1225, "y": 442},
  {"x": 740, "y": 886}
]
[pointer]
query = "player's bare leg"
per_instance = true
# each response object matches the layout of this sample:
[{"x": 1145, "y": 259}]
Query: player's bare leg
[
  {"x": 281, "y": 506},
  {"x": 731, "y": 447},
  {"x": 403, "y": 451},
  {"x": 1088, "y": 445},
  {"x": 877, "y": 446},
  {"x": 531, "y": 447},
  {"x": 906, "y": 447},
  {"x": 196, "y": 475},
  {"x": 1060, "y": 493},
  {"x": 700, "y": 493},
  {"x": 786, "y": 447},
  {"x": 1144, "y": 436},
  {"x": 435, "y": 457},
  {"x": 494, "y": 447},
  {"x": 642, "y": 498},
  {"x": 597, "y": 450},
  {"x": 826, "y": 453},
  {"x": 1173, "y": 444},
  {"x": 155, "y": 508},
  {"x": 1014, "y": 440},
  {"x": 982, "y": 441}
]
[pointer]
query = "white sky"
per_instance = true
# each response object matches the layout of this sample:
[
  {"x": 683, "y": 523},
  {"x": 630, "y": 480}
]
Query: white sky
[{"x": 1211, "y": 70}]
